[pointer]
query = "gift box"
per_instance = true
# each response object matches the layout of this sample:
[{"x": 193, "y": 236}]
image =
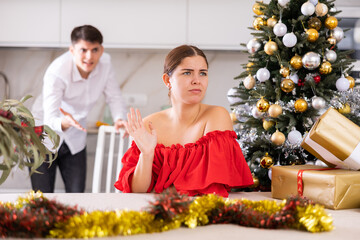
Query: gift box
[
  {"x": 333, "y": 188},
  {"x": 335, "y": 140}
]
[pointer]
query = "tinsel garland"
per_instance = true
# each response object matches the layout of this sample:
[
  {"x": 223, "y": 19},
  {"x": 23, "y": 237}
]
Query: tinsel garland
[{"x": 36, "y": 216}]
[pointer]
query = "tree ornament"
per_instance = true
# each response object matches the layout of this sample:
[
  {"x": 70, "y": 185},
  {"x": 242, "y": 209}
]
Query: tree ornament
[
  {"x": 249, "y": 66},
  {"x": 295, "y": 137},
  {"x": 256, "y": 113},
  {"x": 342, "y": 84},
  {"x": 268, "y": 124},
  {"x": 258, "y": 23},
  {"x": 331, "y": 40},
  {"x": 241, "y": 112},
  {"x": 283, "y": 2},
  {"x": 330, "y": 55},
  {"x": 294, "y": 77},
  {"x": 275, "y": 110},
  {"x": 289, "y": 39},
  {"x": 249, "y": 82},
  {"x": 257, "y": 9},
  {"x": 318, "y": 102},
  {"x": 266, "y": 161},
  {"x": 262, "y": 74},
  {"x": 233, "y": 116},
  {"x": 331, "y": 22},
  {"x": 337, "y": 33},
  {"x": 314, "y": 2},
  {"x": 313, "y": 35},
  {"x": 256, "y": 181},
  {"x": 308, "y": 9},
  {"x": 315, "y": 23},
  {"x": 280, "y": 29},
  {"x": 262, "y": 104},
  {"x": 317, "y": 78},
  {"x": 321, "y": 9},
  {"x": 271, "y": 21},
  {"x": 231, "y": 96},
  {"x": 300, "y": 105},
  {"x": 345, "y": 109},
  {"x": 351, "y": 81},
  {"x": 333, "y": 9},
  {"x": 284, "y": 71},
  {"x": 253, "y": 46},
  {"x": 270, "y": 47},
  {"x": 277, "y": 138},
  {"x": 287, "y": 85},
  {"x": 296, "y": 62},
  {"x": 311, "y": 60},
  {"x": 325, "y": 67}
]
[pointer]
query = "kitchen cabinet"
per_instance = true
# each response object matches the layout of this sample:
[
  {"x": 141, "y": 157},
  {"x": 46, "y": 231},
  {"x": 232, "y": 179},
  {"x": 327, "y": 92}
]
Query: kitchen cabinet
[
  {"x": 128, "y": 23},
  {"x": 215, "y": 24},
  {"x": 30, "y": 23}
]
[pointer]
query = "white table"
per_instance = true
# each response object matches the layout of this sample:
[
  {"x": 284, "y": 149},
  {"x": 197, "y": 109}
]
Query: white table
[{"x": 346, "y": 222}]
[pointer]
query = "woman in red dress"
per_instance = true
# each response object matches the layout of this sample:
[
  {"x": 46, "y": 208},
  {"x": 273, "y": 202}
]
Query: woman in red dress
[{"x": 191, "y": 146}]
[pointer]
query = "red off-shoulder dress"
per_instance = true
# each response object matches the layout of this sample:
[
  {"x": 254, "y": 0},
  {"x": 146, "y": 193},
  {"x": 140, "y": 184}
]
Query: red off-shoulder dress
[{"x": 213, "y": 164}]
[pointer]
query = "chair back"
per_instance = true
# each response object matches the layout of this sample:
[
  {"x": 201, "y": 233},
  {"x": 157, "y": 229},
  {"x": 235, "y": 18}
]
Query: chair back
[{"x": 107, "y": 138}]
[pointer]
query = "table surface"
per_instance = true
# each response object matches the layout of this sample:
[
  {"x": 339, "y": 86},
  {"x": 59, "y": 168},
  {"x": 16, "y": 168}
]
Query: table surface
[{"x": 346, "y": 222}]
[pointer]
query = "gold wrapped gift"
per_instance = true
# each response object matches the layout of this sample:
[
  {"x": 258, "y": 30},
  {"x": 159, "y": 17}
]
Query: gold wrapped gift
[
  {"x": 335, "y": 189},
  {"x": 335, "y": 140}
]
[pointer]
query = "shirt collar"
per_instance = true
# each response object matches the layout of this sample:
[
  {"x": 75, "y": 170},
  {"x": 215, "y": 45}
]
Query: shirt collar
[{"x": 76, "y": 74}]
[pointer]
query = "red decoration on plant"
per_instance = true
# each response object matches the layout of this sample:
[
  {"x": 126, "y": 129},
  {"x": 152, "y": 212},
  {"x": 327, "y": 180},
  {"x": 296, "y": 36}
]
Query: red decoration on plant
[
  {"x": 301, "y": 82},
  {"x": 317, "y": 79}
]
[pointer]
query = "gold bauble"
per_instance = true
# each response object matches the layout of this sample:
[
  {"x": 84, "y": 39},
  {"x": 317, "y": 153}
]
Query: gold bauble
[
  {"x": 262, "y": 105},
  {"x": 256, "y": 181},
  {"x": 321, "y": 9},
  {"x": 233, "y": 117},
  {"x": 271, "y": 21},
  {"x": 287, "y": 85},
  {"x": 284, "y": 71},
  {"x": 351, "y": 81},
  {"x": 257, "y": 9},
  {"x": 331, "y": 22},
  {"x": 325, "y": 67},
  {"x": 258, "y": 22},
  {"x": 313, "y": 35},
  {"x": 315, "y": 23},
  {"x": 268, "y": 124},
  {"x": 275, "y": 110},
  {"x": 345, "y": 109},
  {"x": 300, "y": 105},
  {"x": 331, "y": 40},
  {"x": 296, "y": 62},
  {"x": 277, "y": 138},
  {"x": 270, "y": 47},
  {"x": 249, "y": 66},
  {"x": 249, "y": 82},
  {"x": 266, "y": 161}
]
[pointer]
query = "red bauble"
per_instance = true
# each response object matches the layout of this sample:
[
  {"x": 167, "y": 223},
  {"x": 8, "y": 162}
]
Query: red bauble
[{"x": 317, "y": 79}]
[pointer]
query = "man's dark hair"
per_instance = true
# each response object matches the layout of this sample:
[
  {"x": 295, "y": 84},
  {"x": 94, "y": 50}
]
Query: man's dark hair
[{"x": 87, "y": 33}]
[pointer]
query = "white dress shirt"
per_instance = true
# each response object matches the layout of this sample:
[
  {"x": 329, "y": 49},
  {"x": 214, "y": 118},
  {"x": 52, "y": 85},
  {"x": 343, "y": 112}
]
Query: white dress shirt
[{"x": 64, "y": 87}]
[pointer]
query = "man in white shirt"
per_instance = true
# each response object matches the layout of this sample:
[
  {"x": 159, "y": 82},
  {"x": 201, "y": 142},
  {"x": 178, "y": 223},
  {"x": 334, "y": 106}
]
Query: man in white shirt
[{"x": 73, "y": 84}]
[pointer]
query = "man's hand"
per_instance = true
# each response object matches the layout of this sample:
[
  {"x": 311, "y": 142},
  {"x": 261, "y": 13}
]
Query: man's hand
[
  {"x": 121, "y": 124},
  {"x": 68, "y": 121}
]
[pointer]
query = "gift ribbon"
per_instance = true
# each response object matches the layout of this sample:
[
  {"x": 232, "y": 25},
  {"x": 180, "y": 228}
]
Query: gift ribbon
[{"x": 300, "y": 184}]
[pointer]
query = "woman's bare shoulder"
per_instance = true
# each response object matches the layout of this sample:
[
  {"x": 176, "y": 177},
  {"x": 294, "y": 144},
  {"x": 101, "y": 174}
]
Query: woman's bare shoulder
[
  {"x": 156, "y": 118},
  {"x": 217, "y": 118}
]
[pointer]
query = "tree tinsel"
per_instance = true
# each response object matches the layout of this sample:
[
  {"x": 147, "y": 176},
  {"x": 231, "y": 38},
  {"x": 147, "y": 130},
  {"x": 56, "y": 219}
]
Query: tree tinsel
[
  {"x": 313, "y": 85},
  {"x": 36, "y": 216}
]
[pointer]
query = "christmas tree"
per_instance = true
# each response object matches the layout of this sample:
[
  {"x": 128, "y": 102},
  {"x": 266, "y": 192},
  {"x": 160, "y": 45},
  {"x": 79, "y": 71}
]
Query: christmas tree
[{"x": 295, "y": 72}]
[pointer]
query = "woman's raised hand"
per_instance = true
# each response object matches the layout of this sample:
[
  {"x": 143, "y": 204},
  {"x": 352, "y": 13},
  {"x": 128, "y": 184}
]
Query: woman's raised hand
[{"x": 145, "y": 141}]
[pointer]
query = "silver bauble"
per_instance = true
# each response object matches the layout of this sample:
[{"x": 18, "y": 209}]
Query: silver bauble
[
  {"x": 262, "y": 74},
  {"x": 253, "y": 46},
  {"x": 318, "y": 103},
  {"x": 311, "y": 60},
  {"x": 294, "y": 137},
  {"x": 342, "y": 84},
  {"x": 256, "y": 113},
  {"x": 338, "y": 34},
  {"x": 330, "y": 55},
  {"x": 283, "y": 2},
  {"x": 241, "y": 112},
  {"x": 294, "y": 77},
  {"x": 231, "y": 96},
  {"x": 289, "y": 39},
  {"x": 308, "y": 8},
  {"x": 280, "y": 29}
]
